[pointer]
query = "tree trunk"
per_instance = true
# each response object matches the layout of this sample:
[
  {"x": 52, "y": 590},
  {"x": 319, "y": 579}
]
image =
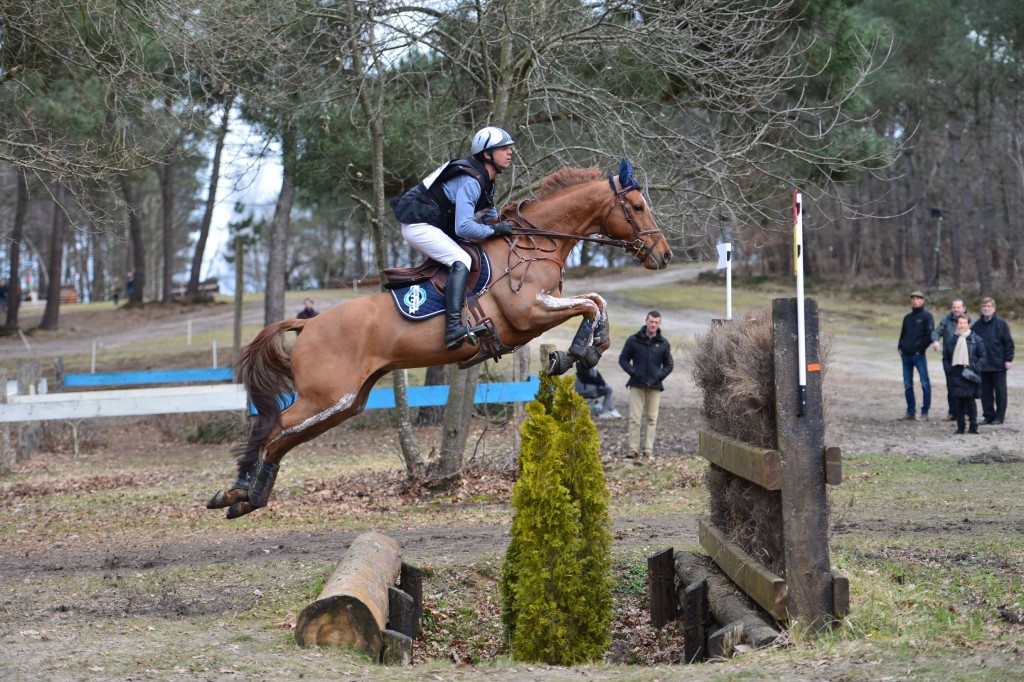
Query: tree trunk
[
  {"x": 135, "y": 236},
  {"x": 458, "y": 413},
  {"x": 273, "y": 303},
  {"x": 957, "y": 188},
  {"x": 55, "y": 260},
  {"x": 17, "y": 235},
  {"x": 414, "y": 464},
  {"x": 211, "y": 201},
  {"x": 166, "y": 174},
  {"x": 984, "y": 228},
  {"x": 432, "y": 416}
]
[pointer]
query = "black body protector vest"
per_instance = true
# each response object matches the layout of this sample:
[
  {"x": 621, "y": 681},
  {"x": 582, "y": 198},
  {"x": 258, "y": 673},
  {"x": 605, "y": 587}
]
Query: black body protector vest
[{"x": 427, "y": 202}]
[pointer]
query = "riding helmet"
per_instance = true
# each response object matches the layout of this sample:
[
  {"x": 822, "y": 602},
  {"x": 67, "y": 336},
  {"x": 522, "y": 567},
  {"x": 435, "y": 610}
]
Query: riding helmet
[{"x": 490, "y": 138}]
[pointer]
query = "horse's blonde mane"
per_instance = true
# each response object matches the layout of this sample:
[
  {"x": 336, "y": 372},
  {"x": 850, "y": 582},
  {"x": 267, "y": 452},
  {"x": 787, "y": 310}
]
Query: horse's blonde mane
[{"x": 559, "y": 180}]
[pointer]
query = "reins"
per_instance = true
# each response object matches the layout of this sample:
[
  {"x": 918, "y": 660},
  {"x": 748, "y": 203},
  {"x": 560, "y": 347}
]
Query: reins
[
  {"x": 524, "y": 227},
  {"x": 635, "y": 246}
]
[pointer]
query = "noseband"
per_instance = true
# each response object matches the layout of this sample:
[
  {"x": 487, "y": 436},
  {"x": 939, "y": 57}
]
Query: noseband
[{"x": 635, "y": 246}]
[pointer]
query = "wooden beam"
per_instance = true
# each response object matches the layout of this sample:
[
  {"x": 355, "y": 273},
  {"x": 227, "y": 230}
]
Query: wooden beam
[
  {"x": 764, "y": 587},
  {"x": 833, "y": 466},
  {"x": 757, "y": 465}
]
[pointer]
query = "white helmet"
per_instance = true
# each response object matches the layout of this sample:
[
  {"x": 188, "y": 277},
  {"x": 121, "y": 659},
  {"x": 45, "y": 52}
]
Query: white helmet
[{"x": 490, "y": 138}]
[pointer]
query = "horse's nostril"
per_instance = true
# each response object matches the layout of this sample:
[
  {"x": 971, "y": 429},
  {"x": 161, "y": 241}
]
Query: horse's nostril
[{"x": 667, "y": 258}]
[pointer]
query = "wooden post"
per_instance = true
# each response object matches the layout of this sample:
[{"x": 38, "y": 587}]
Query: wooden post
[
  {"x": 397, "y": 649},
  {"x": 546, "y": 349},
  {"x": 30, "y": 434},
  {"x": 352, "y": 609},
  {"x": 412, "y": 584},
  {"x": 696, "y": 619},
  {"x": 8, "y": 456},
  {"x": 801, "y": 442},
  {"x": 401, "y": 612},
  {"x": 662, "y": 586},
  {"x": 520, "y": 372}
]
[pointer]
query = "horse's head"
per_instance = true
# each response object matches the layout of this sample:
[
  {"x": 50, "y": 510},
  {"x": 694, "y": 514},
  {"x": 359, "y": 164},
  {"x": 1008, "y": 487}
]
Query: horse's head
[{"x": 634, "y": 224}]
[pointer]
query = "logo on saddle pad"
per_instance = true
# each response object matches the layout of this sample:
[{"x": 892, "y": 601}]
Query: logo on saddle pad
[
  {"x": 415, "y": 298},
  {"x": 422, "y": 300}
]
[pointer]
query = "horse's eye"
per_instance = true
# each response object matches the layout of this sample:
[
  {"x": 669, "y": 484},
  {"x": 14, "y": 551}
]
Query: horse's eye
[{"x": 638, "y": 207}]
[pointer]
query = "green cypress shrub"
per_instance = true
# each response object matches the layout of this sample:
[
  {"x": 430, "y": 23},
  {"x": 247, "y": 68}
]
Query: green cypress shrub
[{"x": 556, "y": 586}]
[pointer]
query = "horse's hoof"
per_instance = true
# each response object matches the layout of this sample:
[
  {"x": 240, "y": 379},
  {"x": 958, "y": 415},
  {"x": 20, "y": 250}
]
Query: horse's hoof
[
  {"x": 240, "y": 509},
  {"x": 558, "y": 363},
  {"x": 591, "y": 356},
  {"x": 226, "y": 498}
]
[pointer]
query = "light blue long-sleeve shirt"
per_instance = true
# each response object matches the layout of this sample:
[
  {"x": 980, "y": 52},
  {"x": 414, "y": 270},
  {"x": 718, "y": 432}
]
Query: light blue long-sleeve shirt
[{"x": 464, "y": 191}]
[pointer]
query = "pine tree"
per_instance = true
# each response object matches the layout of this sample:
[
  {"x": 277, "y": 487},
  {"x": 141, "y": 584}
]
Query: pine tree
[{"x": 556, "y": 582}]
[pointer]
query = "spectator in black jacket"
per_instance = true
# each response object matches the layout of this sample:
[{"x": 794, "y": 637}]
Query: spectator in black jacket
[
  {"x": 647, "y": 359},
  {"x": 944, "y": 331},
  {"x": 962, "y": 351},
  {"x": 995, "y": 332},
  {"x": 915, "y": 337},
  {"x": 308, "y": 311}
]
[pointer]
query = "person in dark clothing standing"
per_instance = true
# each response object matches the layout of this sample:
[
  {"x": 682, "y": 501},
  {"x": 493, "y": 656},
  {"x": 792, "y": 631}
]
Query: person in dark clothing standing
[
  {"x": 995, "y": 332},
  {"x": 647, "y": 359},
  {"x": 944, "y": 331},
  {"x": 964, "y": 350},
  {"x": 915, "y": 337},
  {"x": 308, "y": 311}
]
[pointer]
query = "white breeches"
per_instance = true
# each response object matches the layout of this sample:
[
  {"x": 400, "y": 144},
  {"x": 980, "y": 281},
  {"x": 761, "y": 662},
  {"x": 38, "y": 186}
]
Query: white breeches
[{"x": 432, "y": 242}]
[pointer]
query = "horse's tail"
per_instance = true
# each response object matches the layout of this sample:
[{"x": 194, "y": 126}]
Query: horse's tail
[{"x": 266, "y": 371}]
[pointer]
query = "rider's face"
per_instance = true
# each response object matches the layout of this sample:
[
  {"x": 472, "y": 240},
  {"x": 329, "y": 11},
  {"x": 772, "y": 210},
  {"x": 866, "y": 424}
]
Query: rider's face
[{"x": 502, "y": 158}]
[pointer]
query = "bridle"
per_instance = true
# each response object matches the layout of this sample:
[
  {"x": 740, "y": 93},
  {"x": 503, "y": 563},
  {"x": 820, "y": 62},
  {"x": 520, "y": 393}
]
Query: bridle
[{"x": 637, "y": 246}]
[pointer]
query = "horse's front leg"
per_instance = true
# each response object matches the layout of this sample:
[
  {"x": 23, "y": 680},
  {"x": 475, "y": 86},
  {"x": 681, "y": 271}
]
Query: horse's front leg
[{"x": 591, "y": 337}]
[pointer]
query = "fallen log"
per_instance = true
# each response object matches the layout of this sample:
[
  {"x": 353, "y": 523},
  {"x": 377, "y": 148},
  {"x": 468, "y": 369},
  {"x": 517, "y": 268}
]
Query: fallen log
[
  {"x": 726, "y": 602},
  {"x": 352, "y": 609}
]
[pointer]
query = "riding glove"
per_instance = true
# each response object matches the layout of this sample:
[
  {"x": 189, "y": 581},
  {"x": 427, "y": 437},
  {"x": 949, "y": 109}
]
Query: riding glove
[{"x": 502, "y": 229}]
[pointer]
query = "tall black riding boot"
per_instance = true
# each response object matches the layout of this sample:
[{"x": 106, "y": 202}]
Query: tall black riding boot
[
  {"x": 973, "y": 428},
  {"x": 454, "y": 296}
]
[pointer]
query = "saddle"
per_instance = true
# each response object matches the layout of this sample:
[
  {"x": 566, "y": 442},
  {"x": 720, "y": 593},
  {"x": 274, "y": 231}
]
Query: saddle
[{"x": 434, "y": 272}]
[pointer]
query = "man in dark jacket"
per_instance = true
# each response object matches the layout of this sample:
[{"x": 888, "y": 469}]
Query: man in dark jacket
[
  {"x": 944, "y": 331},
  {"x": 915, "y": 337},
  {"x": 995, "y": 332},
  {"x": 647, "y": 359}
]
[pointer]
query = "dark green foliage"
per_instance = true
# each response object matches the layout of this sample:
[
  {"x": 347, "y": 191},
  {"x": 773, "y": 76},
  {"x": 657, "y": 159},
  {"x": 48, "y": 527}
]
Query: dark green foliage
[{"x": 556, "y": 585}]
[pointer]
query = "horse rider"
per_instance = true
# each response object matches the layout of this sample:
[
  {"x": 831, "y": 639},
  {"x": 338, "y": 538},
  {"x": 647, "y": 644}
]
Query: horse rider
[{"x": 446, "y": 206}]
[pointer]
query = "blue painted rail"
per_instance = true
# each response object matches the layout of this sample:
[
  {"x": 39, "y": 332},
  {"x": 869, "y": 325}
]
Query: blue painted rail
[
  {"x": 429, "y": 396},
  {"x": 156, "y": 376}
]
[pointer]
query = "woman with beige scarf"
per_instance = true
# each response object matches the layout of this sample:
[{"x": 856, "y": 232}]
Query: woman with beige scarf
[{"x": 963, "y": 350}]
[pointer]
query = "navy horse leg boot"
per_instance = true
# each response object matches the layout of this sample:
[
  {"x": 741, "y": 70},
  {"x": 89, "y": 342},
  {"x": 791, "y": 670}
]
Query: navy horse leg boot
[{"x": 456, "y": 332}]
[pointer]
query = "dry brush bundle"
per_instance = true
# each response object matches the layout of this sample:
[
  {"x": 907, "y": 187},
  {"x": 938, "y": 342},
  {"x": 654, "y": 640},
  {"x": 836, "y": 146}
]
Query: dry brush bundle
[{"x": 733, "y": 367}]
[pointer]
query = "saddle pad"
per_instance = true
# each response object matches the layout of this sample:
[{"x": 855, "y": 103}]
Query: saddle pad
[{"x": 422, "y": 300}]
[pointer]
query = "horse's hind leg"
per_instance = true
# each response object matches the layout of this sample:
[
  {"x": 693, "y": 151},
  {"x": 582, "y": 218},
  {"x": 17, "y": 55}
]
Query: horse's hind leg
[{"x": 258, "y": 468}]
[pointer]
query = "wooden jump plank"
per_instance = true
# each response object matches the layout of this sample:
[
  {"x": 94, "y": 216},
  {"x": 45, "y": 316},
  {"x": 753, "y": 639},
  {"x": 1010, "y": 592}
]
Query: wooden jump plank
[
  {"x": 764, "y": 587},
  {"x": 157, "y": 376},
  {"x": 757, "y": 465},
  {"x": 429, "y": 396},
  {"x": 124, "y": 403}
]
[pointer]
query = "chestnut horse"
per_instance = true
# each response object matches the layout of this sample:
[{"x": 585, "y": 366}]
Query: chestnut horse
[{"x": 342, "y": 353}]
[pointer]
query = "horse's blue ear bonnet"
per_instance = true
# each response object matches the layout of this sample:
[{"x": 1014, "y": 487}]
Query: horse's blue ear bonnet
[{"x": 626, "y": 179}]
